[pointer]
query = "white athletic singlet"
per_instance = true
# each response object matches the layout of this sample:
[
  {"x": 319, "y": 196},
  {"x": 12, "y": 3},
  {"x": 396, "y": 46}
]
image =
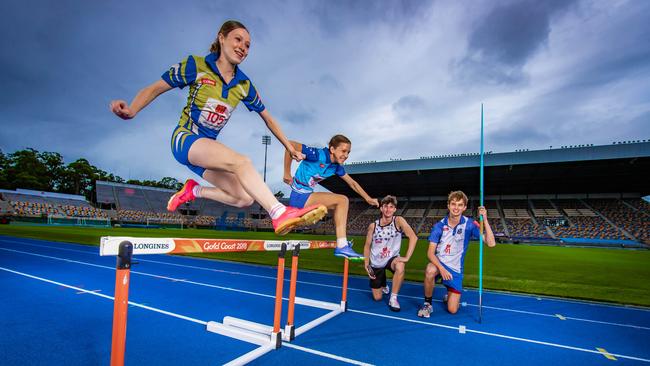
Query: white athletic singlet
[{"x": 386, "y": 243}]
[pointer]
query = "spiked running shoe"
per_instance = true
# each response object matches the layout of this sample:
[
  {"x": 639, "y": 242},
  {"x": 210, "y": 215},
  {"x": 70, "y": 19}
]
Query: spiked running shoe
[
  {"x": 347, "y": 252},
  {"x": 385, "y": 290},
  {"x": 294, "y": 217},
  {"x": 393, "y": 304},
  {"x": 425, "y": 310},
  {"x": 186, "y": 194}
]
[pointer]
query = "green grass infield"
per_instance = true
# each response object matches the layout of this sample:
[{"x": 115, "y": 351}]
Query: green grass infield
[{"x": 600, "y": 274}]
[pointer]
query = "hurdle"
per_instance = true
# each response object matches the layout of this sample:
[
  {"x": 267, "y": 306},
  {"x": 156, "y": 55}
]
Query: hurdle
[{"x": 265, "y": 336}]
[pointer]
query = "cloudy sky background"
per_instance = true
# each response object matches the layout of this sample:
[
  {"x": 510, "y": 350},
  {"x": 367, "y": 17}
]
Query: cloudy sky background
[{"x": 402, "y": 79}]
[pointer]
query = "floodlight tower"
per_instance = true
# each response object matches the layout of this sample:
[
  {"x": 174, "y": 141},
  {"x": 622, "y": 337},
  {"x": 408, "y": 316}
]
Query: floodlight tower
[{"x": 266, "y": 141}]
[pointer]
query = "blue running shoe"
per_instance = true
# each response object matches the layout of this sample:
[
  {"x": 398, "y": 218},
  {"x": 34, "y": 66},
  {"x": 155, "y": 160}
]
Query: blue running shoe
[{"x": 347, "y": 252}]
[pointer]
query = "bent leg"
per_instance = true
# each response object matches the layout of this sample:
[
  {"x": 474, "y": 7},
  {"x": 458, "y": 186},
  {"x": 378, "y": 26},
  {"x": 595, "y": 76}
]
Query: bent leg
[
  {"x": 227, "y": 189},
  {"x": 430, "y": 274},
  {"x": 377, "y": 295},
  {"x": 453, "y": 301},
  {"x": 398, "y": 276},
  {"x": 337, "y": 202},
  {"x": 215, "y": 156}
]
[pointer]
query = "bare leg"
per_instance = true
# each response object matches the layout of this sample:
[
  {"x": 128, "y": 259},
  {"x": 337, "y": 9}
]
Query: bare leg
[
  {"x": 453, "y": 301},
  {"x": 228, "y": 190},
  {"x": 429, "y": 279},
  {"x": 377, "y": 294},
  {"x": 337, "y": 202},
  {"x": 215, "y": 156},
  {"x": 398, "y": 276}
]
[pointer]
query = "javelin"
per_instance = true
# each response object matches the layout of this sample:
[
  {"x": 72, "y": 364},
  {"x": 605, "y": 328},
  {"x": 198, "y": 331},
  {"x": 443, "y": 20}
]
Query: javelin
[{"x": 480, "y": 240}]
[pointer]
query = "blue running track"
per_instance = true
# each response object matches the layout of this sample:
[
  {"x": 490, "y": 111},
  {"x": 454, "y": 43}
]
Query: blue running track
[{"x": 57, "y": 309}]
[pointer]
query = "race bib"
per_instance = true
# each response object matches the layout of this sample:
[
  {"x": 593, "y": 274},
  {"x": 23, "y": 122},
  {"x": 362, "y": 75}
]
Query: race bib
[{"x": 215, "y": 114}]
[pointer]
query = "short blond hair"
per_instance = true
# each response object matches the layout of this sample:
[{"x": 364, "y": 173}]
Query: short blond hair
[{"x": 457, "y": 196}]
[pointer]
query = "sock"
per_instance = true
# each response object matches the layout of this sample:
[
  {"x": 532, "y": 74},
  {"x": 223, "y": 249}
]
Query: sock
[
  {"x": 277, "y": 210},
  {"x": 341, "y": 242},
  {"x": 428, "y": 299},
  {"x": 196, "y": 191}
]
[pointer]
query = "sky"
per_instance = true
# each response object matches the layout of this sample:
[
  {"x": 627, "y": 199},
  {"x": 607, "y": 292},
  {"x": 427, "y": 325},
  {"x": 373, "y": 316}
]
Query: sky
[{"x": 401, "y": 79}]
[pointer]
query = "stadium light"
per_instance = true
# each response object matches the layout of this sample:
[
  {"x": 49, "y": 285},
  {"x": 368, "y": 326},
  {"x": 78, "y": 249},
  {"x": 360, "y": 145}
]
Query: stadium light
[{"x": 266, "y": 141}]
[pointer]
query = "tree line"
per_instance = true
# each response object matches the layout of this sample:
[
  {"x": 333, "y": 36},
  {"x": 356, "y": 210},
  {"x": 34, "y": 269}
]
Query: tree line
[{"x": 46, "y": 171}]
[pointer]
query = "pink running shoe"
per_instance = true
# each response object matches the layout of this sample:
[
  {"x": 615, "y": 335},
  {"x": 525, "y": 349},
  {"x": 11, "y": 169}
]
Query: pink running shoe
[
  {"x": 294, "y": 217},
  {"x": 186, "y": 194}
]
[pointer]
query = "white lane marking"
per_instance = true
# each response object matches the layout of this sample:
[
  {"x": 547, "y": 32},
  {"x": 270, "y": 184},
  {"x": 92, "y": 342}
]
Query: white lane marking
[
  {"x": 85, "y": 292},
  {"x": 365, "y": 290},
  {"x": 328, "y": 355},
  {"x": 179, "y": 316},
  {"x": 497, "y": 335}
]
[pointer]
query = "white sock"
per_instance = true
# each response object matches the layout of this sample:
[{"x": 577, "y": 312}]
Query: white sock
[
  {"x": 341, "y": 242},
  {"x": 277, "y": 210},
  {"x": 197, "y": 191}
]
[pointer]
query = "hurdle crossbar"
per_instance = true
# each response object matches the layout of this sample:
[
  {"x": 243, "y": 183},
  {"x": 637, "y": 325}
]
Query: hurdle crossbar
[
  {"x": 267, "y": 337},
  {"x": 109, "y": 245}
]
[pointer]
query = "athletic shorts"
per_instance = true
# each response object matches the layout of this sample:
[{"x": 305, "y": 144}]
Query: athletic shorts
[
  {"x": 380, "y": 275},
  {"x": 456, "y": 283},
  {"x": 182, "y": 140},
  {"x": 298, "y": 199}
]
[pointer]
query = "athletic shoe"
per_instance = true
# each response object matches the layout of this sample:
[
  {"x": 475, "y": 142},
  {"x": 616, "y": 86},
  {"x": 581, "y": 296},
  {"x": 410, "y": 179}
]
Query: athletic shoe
[
  {"x": 186, "y": 194},
  {"x": 347, "y": 252},
  {"x": 393, "y": 304},
  {"x": 425, "y": 310},
  {"x": 294, "y": 217},
  {"x": 385, "y": 290}
]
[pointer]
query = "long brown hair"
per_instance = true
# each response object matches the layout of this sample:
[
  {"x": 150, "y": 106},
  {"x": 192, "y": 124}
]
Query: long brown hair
[{"x": 227, "y": 27}]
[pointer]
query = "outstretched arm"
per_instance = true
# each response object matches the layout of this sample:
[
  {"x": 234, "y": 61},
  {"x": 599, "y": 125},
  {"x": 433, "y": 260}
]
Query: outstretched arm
[
  {"x": 275, "y": 129},
  {"x": 145, "y": 96},
  {"x": 288, "y": 160},
  {"x": 357, "y": 188}
]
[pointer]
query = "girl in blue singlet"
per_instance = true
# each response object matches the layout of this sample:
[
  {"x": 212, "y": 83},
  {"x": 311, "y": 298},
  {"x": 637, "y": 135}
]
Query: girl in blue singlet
[{"x": 318, "y": 165}]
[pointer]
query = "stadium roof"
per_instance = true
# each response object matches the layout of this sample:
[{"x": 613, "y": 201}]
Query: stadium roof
[{"x": 588, "y": 169}]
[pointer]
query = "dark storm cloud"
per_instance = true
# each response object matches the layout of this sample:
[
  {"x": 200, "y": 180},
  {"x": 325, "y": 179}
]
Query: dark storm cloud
[
  {"x": 502, "y": 41},
  {"x": 521, "y": 134},
  {"x": 625, "y": 53},
  {"x": 337, "y": 16},
  {"x": 300, "y": 116},
  {"x": 607, "y": 81},
  {"x": 589, "y": 82},
  {"x": 329, "y": 81},
  {"x": 409, "y": 106}
]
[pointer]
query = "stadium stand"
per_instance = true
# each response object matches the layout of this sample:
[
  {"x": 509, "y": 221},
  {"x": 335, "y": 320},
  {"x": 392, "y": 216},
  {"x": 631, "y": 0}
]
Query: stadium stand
[
  {"x": 631, "y": 223},
  {"x": 40, "y": 207},
  {"x": 556, "y": 195}
]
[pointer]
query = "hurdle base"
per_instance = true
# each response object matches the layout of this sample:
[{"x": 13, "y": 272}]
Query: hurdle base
[
  {"x": 238, "y": 333},
  {"x": 276, "y": 339},
  {"x": 344, "y": 306},
  {"x": 289, "y": 333},
  {"x": 248, "y": 325},
  {"x": 247, "y": 331}
]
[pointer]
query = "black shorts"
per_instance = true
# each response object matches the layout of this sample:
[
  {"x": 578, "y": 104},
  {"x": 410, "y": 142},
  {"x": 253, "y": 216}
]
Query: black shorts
[{"x": 380, "y": 275}]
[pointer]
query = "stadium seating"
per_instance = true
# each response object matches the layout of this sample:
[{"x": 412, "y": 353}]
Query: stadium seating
[
  {"x": 624, "y": 217},
  {"x": 518, "y": 218}
]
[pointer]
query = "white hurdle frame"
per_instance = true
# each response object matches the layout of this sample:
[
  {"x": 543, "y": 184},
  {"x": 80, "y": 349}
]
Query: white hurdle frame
[{"x": 266, "y": 337}]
